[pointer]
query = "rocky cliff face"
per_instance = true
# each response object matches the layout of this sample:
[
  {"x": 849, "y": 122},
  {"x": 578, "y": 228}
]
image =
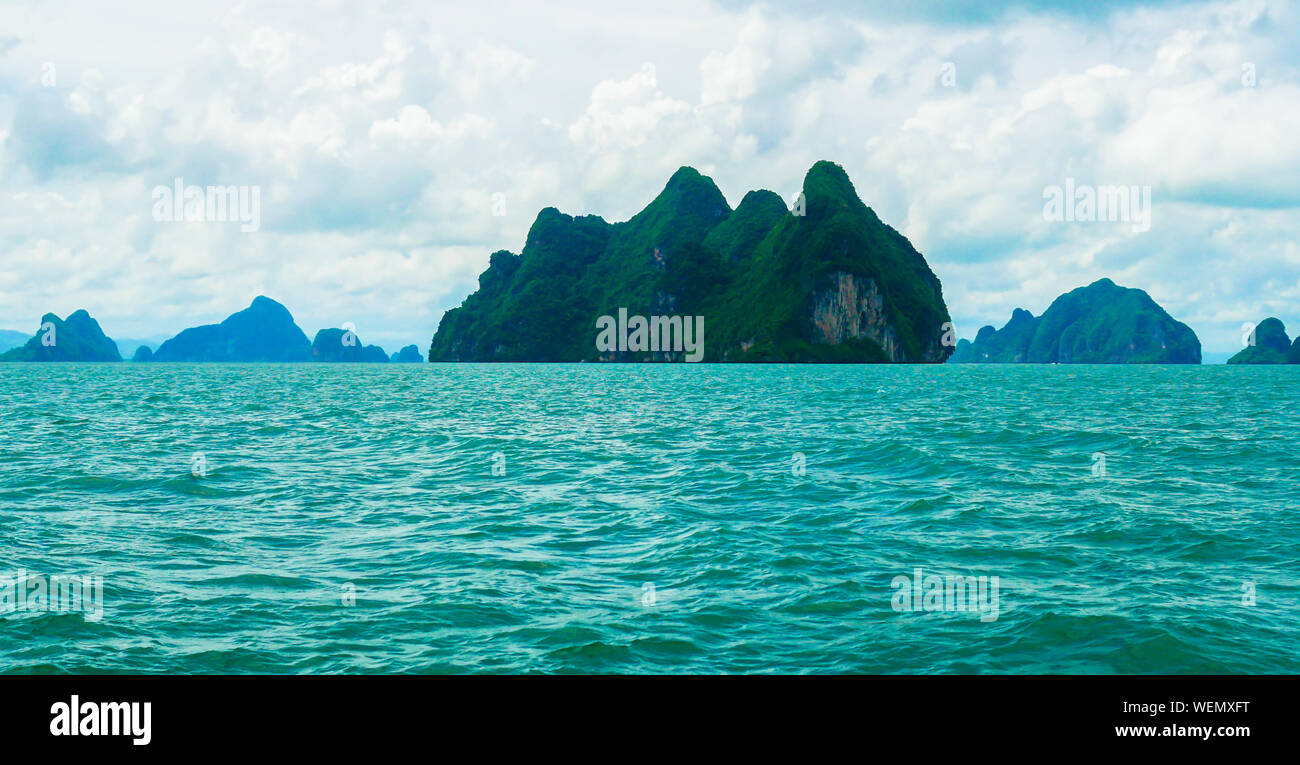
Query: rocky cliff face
[
  {"x": 1102, "y": 323},
  {"x": 853, "y": 308},
  {"x": 827, "y": 281}
]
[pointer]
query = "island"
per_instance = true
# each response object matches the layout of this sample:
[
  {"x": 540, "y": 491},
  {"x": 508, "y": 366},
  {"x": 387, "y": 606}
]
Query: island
[
  {"x": 824, "y": 281},
  {"x": 76, "y": 338},
  {"x": 1102, "y": 323}
]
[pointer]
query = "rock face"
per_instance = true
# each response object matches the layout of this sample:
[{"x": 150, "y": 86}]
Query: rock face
[
  {"x": 143, "y": 353},
  {"x": 341, "y": 346},
  {"x": 265, "y": 331},
  {"x": 1272, "y": 346},
  {"x": 853, "y": 308},
  {"x": 77, "y": 338},
  {"x": 1102, "y": 323},
  {"x": 408, "y": 355},
  {"x": 827, "y": 281}
]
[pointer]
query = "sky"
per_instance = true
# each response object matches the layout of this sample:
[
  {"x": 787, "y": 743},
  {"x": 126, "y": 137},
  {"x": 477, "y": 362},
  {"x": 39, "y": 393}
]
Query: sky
[{"x": 395, "y": 145}]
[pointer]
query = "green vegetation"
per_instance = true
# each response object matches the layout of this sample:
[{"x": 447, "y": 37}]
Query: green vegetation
[
  {"x": 1272, "y": 346},
  {"x": 1102, "y": 323},
  {"x": 832, "y": 285}
]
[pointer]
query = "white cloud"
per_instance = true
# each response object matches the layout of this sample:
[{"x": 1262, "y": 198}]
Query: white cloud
[
  {"x": 380, "y": 133},
  {"x": 625, "y": 113}
]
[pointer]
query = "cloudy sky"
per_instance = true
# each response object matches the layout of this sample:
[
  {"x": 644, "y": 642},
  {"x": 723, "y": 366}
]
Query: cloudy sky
[{"x": 380, "y": 134}]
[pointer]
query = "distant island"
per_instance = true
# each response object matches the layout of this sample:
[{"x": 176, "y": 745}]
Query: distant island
[
  {"x": 409, "y": 354},
  {"x": 263, "y": 332},
  {"x": 1269, "y": 344},
  {"x": 77, "y": 338},
  {"x": 826, "y": 281},
  {"x": 343, "y": 346},
  {"x": 1102, "y": 323}
]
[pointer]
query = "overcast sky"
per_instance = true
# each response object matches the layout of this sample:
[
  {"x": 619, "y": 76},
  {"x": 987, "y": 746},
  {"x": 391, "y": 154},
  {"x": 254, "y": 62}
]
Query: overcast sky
[{"x": 378, "y": 134}]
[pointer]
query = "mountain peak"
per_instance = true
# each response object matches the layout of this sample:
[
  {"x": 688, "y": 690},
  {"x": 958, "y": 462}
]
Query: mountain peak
[
  {"x": 689, "y": 191},
  {"x": 737, "y": 237},
  {"x": 825, "y": 169},
  {"x": 826, "y": 187},
  {"x": 264, "y": 303},
  {"x": 688, "y": 174},
  {"x": 264, "y": 331},
  {"x": 761, "y": 199}
]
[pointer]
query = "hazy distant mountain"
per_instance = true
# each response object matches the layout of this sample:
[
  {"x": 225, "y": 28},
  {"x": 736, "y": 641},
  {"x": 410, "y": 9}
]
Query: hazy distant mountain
[
  {"x": 143, "y": 353},
  {"x": 11, "y": 338},
  {"x": 77, "y": 338},
  {"x": 1102, "y": 323},
  {"x": 408, "y": 355},
  {"x": 826, "y": 281},
  {"x": 265, "y": 331},
  {"x": 344, "y": 346}
]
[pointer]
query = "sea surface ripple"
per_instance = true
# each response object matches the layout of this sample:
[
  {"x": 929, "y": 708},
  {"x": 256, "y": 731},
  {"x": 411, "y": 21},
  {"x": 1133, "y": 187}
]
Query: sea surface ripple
[{"x": 652, "y": 518}]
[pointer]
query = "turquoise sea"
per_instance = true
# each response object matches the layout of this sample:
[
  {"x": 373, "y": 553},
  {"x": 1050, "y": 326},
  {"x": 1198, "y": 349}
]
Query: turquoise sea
[{"x": 652, "y": 518}]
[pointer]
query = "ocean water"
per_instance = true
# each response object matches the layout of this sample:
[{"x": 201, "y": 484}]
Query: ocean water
[{"x": 652, "y": 518}]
